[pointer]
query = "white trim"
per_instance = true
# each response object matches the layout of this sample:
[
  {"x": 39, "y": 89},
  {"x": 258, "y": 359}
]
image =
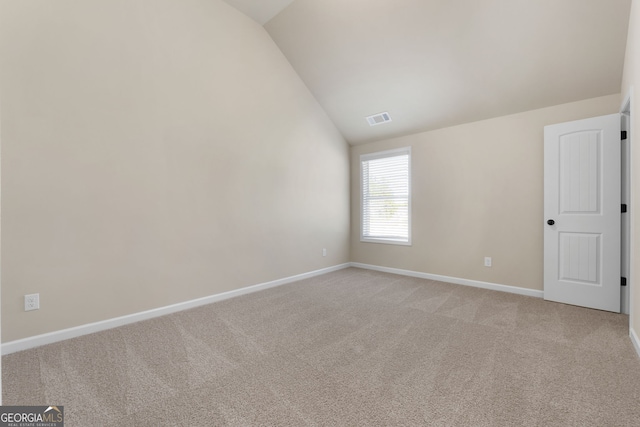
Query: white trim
[
  {"x": 635, "y": 340},
  {"x": 455, "y": 280},
  {"x": 385, "y": 241},
  {"x": 0, "y": 293},
  {"x": 628, "y": 106},
  {"x": 65, "y": 334},
  {"x": 386, "y": 153},
  {"x": 625, "y": 220}
]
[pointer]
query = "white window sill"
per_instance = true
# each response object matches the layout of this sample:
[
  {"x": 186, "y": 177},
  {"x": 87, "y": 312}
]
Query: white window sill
[{"x": 385, "y": 241}]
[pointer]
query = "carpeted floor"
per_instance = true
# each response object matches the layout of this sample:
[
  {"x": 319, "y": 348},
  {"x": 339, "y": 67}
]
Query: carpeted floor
[{"x": 350, "y": 348}]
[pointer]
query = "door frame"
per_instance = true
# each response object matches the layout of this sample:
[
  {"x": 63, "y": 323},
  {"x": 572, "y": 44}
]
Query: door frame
[
  {"x": 628, "y": 253},
  {"x": 0, "y": 272},
  {"x": 625, "y": 222}
]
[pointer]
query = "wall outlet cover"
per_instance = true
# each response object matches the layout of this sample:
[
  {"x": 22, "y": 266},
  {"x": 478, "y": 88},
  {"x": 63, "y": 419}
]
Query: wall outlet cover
[{"x": 31, "y": 302}]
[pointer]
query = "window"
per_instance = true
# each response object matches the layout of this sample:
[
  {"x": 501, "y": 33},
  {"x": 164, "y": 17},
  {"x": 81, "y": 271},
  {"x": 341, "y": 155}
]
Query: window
[{"x": 386, "y": 197}]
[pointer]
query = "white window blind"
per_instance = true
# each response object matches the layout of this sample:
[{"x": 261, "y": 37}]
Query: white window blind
[{"x": 386, "y": 196}]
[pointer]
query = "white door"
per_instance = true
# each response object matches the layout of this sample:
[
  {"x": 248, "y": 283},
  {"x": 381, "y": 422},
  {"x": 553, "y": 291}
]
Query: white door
[{"x": 582, "y": 213}]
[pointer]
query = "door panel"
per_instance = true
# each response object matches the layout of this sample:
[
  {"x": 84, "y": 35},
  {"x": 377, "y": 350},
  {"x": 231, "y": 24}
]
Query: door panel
[
  {"x": 579, "y": 258},
  {"x": 580, "y": 172},
  {"x": 582, "y": 213}
]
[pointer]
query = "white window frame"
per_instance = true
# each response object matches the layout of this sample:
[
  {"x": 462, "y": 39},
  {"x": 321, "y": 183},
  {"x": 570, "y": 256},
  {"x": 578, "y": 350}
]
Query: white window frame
[{"x": 381, "y": 155}]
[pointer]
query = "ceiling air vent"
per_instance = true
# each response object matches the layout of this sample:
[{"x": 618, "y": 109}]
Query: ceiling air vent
[{"x": 378, "y": 119}]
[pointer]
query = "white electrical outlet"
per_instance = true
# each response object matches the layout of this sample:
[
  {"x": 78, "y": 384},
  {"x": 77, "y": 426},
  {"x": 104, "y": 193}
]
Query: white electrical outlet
[
  {"x": 324, "y": 252},
  {"x": 487, "y": 261},
  {"x": 31, "y": 302}
]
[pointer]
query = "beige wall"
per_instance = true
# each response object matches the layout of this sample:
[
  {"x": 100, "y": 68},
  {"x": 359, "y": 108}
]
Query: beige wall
[
  {"x": 153, "y": 152},
  {"x": 477, "y": 191},
  {"x": 630, "y": 86}
]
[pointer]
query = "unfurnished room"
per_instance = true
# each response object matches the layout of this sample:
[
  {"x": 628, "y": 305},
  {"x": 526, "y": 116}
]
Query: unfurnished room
[{"x": 320, "y": 212}]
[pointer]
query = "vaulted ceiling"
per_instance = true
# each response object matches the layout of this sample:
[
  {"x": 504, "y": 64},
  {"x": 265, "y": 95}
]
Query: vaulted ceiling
[
  {"x": 260, "y": 10},
  {"x": 437, "y": 63}
]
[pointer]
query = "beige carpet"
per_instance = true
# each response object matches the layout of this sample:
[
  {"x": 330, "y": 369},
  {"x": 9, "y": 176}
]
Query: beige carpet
[{"x": 350, "y": 348}]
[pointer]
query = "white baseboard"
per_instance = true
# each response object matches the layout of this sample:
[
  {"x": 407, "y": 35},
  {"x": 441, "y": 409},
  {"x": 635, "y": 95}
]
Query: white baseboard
[
  {"x": 457, "y": 281},
  {"x": 65, "y": 334},
  {"x": 635, "y": 340}
]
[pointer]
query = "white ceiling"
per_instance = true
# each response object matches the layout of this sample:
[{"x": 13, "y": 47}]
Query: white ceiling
[
  {"x": 260, "y": 10},
  {"x": 438, "y": 63}
]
